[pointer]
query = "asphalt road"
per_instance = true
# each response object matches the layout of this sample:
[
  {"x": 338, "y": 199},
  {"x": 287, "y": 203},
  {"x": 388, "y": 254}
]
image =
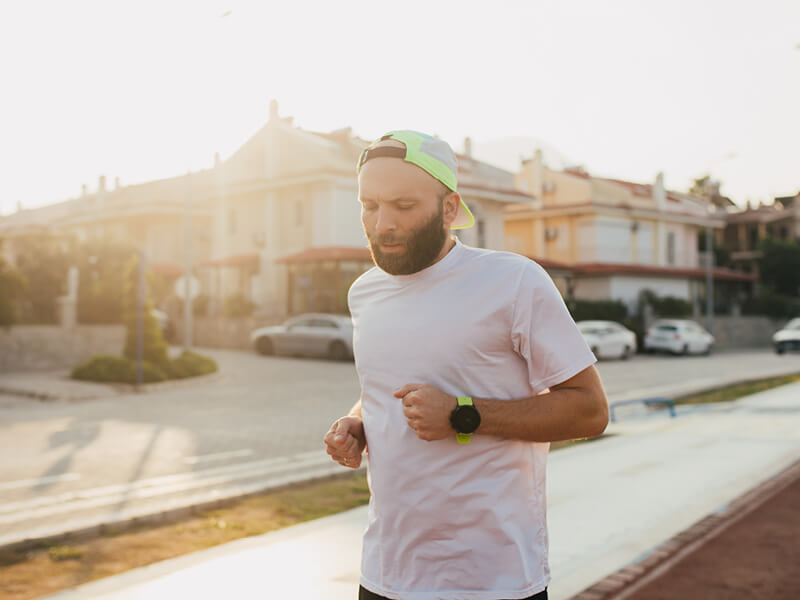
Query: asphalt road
[{"x": 258, "y": 423}]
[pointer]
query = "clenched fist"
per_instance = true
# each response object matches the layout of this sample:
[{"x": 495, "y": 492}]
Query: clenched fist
[
  {"x": 345, "y": 441},
  {"x": 427, "y": 410}
]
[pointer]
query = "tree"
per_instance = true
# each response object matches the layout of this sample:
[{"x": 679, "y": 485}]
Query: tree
[
  {"x": 153, "y": 344},
  {"x": 779, "y": 266},
  {"x": 12, "y": 288},
  {"x": 43, "y": 260},
  {"x": 102, "y": 276}
]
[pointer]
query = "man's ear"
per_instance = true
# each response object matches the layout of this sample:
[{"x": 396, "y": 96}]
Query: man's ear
[{"x": 451, "y": 203}]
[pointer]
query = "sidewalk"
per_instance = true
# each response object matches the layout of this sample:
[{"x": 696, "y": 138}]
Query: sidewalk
[{"x": 609, "y": 504}]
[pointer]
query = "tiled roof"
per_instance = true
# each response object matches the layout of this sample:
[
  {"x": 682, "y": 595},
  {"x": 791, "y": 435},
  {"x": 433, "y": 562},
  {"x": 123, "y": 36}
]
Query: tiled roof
[
  {"x": 237, "y": 260},
  {"x": 328, "y": 253},
  {"x": 658, "y": 271}
]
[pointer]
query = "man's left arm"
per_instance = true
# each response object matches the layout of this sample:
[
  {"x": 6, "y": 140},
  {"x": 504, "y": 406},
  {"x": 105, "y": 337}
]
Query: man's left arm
[{"x": 575, "y": 408}]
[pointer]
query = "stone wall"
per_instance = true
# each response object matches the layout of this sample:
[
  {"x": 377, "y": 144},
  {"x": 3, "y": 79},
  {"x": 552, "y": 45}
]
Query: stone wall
[
  {"x": 220, "y": 332},
  {"x": 743, "y": 331},
  {"x": 51, "y": 347}
]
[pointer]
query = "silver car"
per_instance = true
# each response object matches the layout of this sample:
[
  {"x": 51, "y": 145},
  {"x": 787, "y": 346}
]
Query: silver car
[{"x": 312, "y": 334}]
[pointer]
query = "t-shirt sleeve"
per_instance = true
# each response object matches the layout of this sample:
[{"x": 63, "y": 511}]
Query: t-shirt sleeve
[{"x": 544, "y": 333}]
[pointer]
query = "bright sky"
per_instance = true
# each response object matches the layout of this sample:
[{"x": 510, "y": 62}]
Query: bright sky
[{"x": 628, "y": 88}]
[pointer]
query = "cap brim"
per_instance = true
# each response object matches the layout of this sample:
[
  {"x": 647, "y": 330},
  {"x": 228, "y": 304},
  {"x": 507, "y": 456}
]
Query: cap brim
[{"x": 463, "y": 218}]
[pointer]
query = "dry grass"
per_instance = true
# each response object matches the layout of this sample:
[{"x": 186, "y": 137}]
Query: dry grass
[
  {"x": 45, "y": 570},
  {"x": 739, "y": 390}
]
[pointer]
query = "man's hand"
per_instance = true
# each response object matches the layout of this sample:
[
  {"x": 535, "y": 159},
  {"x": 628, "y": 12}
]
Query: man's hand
[
  {"x": 427, "y": 410},
  {"x": 345, "y": 441}
]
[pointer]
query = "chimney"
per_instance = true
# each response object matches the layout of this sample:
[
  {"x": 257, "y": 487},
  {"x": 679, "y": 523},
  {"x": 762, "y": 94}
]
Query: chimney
[
  {"x": 273, "y": 110},
  {"x": 659, "y": 193},
  {"x": 217, "y": 161},
  {"x": 84, "y": 190},
  {"x": 116, "y": 183},
  {"x": 468, "y": 146},
  {"x": 101, "y": 184}
]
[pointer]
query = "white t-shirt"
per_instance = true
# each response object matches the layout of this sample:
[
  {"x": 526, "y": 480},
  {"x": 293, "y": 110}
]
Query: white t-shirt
[{"x": 450, "y": 521}]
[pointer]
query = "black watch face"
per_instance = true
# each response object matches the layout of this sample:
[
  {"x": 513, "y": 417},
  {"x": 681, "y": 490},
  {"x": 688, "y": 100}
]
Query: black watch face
[{"x": 467, "y": 419}]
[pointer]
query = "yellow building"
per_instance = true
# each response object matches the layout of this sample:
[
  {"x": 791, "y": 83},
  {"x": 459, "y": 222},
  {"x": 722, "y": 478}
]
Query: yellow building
[{"x": 615, "y": 237}]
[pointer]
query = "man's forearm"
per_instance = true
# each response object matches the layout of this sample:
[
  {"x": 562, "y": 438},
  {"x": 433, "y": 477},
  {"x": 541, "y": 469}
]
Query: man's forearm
[{"x": 575, "y": 409}]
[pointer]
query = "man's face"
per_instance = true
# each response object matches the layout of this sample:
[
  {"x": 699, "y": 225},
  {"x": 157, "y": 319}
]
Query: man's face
[{"x": 406, "y": 215}]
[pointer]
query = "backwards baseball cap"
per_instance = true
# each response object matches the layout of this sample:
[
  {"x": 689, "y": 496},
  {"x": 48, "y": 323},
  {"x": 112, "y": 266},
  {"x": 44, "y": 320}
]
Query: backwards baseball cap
[{"x": 430, "y": 154}]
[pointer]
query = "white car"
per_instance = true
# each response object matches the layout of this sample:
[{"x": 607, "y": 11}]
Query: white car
[
  {"x": 679, "y": 336},
  {"x": 608, "y": 339},
  {"x": 787, "y": 338},
  {"x": 312, "y": 334}
]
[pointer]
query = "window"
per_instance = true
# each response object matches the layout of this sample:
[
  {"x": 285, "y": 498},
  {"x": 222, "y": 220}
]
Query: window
[
  {"x": 298, "y": 213},
  {"x": 671, "y": 248}
]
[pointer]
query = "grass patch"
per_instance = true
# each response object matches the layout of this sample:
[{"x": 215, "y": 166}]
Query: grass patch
[
  {"x": 40, "y": 571},
  {"x": 739, "y": 390}
]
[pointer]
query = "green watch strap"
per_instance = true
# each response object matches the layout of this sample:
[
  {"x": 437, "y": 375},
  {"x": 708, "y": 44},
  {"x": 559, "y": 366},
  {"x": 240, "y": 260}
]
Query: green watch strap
[{"x": 463, "y": 438}]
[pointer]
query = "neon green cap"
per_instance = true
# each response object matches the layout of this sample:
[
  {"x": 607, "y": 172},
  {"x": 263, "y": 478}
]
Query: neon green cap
[{"x": 432, "y": 155}]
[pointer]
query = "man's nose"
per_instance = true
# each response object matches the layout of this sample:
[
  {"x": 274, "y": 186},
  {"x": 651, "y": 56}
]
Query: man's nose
[{"x": 385, "y": 221}]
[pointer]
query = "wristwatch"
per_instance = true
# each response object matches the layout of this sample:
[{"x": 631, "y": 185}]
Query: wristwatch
[{"x": 465, "y": 419}]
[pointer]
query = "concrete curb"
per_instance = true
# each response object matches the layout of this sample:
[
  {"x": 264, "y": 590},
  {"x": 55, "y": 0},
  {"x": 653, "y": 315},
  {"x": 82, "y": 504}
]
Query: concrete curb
[
  {"x": 626, "y": 581},
  {"x": 78, "y": 533},
  {"x": 111, "y": 389}
]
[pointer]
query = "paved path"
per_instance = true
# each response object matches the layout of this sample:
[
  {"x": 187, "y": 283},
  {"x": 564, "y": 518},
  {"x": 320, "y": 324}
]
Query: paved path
[
  {"x": 610, "y": 502},
  {"x": 258, "y": 423}
]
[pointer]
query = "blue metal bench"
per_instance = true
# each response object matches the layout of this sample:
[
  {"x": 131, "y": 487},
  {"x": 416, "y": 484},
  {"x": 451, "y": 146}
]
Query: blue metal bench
[{"x": 646, "y": 401}]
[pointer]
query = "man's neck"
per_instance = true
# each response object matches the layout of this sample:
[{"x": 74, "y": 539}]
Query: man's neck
[{"x": 449, "y": 243}]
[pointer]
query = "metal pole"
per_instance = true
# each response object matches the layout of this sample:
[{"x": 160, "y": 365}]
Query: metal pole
[
  {"x": 187, "y": 266},
  {"x": 709, "y": 280},
  {"x": 140, "y": 295}
]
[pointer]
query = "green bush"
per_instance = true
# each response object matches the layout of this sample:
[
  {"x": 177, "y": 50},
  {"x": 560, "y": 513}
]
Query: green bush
[
  {"x": 776, "y": 306},
  {"x": 597, "y": 310},
  {"x": 670, "y": 306},
  {"x": 194, "y": 364},
  {"x": 116, "y": 369}
]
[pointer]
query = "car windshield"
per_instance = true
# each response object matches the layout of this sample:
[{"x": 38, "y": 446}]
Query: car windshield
[{"x": 667, "y": 328}]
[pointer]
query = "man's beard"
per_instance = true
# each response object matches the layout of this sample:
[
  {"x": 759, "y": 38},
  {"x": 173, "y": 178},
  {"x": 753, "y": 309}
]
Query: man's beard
[{"x": 422, "y": 247}]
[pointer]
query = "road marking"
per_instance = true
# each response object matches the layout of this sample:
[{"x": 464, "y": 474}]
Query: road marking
[
  {"x": 23, "y": 483},
  {"x": 193, "y": 460},
  {"x": 12, "y": 512}
]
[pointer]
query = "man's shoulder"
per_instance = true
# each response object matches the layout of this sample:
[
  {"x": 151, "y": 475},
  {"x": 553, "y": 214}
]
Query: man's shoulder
[
  {"x": 366, "y": 278},
  {"x": 504, "y": 261}
]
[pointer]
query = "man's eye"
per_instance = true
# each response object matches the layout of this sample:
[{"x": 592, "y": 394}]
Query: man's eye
[
  {"x": 369, "y": 206},
  {"x": 404, "y": 206}
]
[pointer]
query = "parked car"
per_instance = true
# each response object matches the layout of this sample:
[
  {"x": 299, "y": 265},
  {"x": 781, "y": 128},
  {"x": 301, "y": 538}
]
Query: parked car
[
  {"x": 787, "y": 338},
  {"x": 312, "y": 334},
  {"x": 678, "y": 336},
  {"x": 608, "y": 339}
]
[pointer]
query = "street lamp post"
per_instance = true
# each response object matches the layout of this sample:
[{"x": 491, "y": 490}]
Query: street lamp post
[{"x": 187, "y": 266}]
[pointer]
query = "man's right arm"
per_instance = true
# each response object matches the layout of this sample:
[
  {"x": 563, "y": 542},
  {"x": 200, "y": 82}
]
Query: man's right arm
[{"x": 345, "y": 440}]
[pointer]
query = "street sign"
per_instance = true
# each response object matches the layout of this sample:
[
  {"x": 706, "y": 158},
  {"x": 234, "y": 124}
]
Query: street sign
[{"x": 181, "y": 287}]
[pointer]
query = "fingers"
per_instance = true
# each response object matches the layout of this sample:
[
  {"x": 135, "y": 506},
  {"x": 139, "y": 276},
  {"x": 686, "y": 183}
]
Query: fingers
[{"x": 407, "y": 388}]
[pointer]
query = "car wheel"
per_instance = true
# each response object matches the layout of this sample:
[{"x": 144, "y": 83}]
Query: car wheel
[
  {"x": 780, "y": 348},
  {"x": 264, "y": 346},
  {"x": 337, "y": 351},
  {"x": 708, "y": 350},
  {"x": 626, "y": 353}
]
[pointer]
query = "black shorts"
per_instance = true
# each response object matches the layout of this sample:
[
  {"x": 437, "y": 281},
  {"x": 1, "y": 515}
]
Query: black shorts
[{"x": 365, "y": 594}]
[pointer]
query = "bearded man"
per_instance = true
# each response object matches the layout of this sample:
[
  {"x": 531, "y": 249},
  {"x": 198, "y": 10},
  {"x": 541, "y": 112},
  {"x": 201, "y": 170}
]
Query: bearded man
[{"x": 469, "y": 365}]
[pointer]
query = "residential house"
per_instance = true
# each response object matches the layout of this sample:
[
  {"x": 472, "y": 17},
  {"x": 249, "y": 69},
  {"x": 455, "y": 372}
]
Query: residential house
[
  {"x": 287, "y": 219},
  {"x": 612, "y": 239},
  {"x": 745, "y": 229}
]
